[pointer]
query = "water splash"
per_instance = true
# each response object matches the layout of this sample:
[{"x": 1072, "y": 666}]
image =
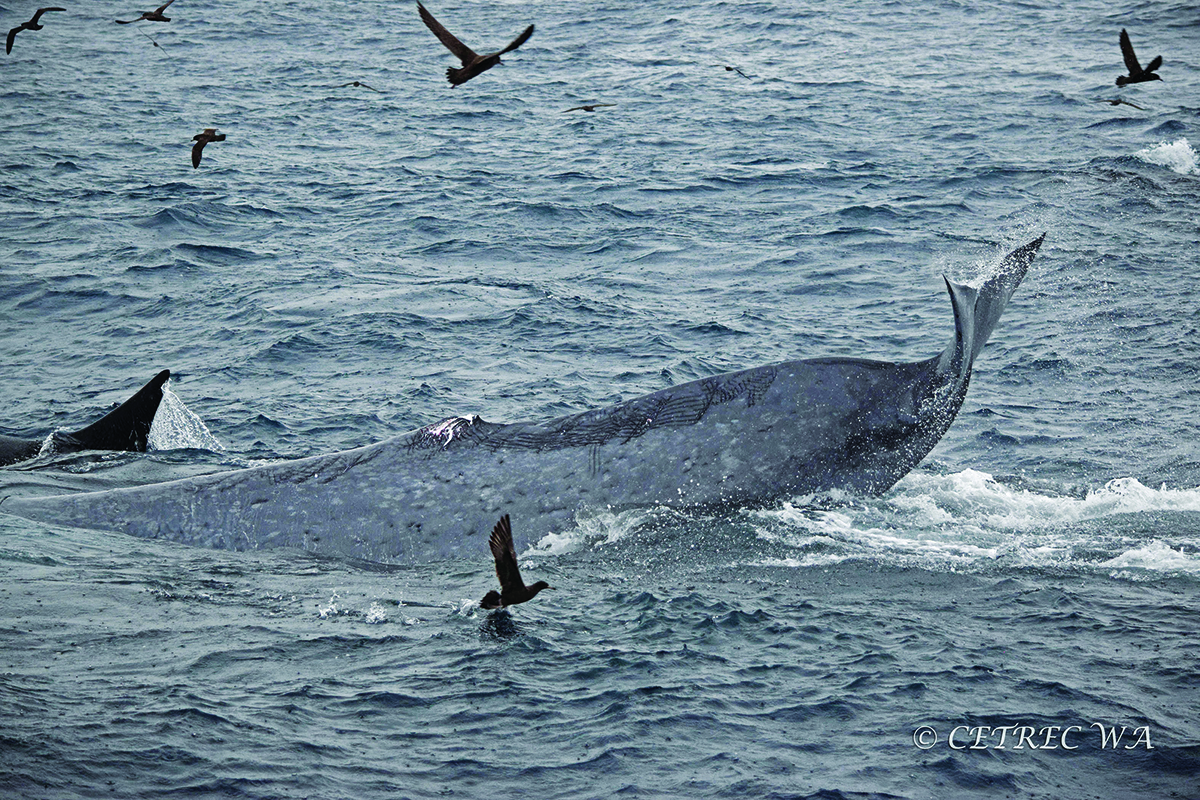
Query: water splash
[
  {"x": 1177, "y": 156},
  {"x": 967, "y": 520},
  {"x": 176, "y": 427}
]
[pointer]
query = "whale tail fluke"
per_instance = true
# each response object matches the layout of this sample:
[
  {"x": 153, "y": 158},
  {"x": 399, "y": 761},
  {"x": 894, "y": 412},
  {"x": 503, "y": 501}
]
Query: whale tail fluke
[
  {"x": 977, "y": 311},
  {"x": 998, "y": 290}
]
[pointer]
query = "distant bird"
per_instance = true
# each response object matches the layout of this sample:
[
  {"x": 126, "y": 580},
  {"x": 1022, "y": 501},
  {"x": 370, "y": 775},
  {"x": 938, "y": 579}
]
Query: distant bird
[
  {"x": 1119, "y": 102},
  {"x": 359, "y": 83},
  {"x": 153, "y": 42},
  {"x": 1136, "y": 73},
  {"x": 32, "y": 25},
  {"x": 150, "y": 16},
  {"x": 735, "y": 69},
  {"x": 473, "y": 63},
  {"x": 201, "y": 139},
  {"x": 512, "y": 589},
  {"x": 592, "y": 107}
]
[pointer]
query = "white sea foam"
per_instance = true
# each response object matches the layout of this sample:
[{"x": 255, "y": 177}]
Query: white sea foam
[
  {"x": 176, "y": 427},
  {"x": 1177, "y": 156},
  {"x": 592, "y": 529},
  {"x": 1157, "y": 556},
  {"x": 965, "y": 518}
]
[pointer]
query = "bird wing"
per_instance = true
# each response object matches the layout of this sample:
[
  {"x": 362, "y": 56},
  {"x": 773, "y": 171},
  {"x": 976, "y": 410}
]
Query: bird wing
[
  {"x": 163, "y": 7},
  {"x": 506, "y": 556},
  {"x": 465, "y": 54},
  {"x": 517, "y": 42},
  {"x": 12, "y": 35},
  {"x": 1155, "y": 64},
  {"x": 197, "y": 148},
  {"x": 1131, "y": 62},
  {"x": 41, "y": 11}
]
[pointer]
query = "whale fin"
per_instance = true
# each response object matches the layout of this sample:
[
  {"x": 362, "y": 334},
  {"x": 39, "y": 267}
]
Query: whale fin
[
  {"x": 959, "y": 357},
  {"x": 126, "y": 427},
  {"x": 998, "y": 290},
  {"x": 978, "y": 311}
]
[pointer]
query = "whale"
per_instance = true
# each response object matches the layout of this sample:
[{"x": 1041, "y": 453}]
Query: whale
[
  {"x": 748, "y": 438},
  {"x": 126, "y": 427}
]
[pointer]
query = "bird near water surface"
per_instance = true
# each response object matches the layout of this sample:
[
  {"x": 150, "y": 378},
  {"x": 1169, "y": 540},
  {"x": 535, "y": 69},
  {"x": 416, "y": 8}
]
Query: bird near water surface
[
  {"x": 591, "y": 107},
  {"x": 512, "y": 589},
  {"x": 1116, "y": 101},
  {"x": 201, "y": 139},
  {"x": 1136, "y": 73},
  {"x": 473, "y": 63},
  {"x": 150, "y": 16},
  {"x": 359, "y": 84},
  {"x": 31, "y": 25}
]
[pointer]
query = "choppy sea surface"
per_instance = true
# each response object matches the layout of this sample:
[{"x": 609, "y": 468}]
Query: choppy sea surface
[{"x": 1015, "y": 618}]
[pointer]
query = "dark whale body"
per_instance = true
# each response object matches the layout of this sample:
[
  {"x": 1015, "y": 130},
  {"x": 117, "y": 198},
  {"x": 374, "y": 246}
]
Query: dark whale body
[
  {"x": 744, "y": 438},
  {"x": 124, "y": 428}
]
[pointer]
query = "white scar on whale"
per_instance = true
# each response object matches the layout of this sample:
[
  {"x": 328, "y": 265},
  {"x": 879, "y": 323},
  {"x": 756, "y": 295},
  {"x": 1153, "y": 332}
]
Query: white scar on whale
[{"x": 741, "y": 439}]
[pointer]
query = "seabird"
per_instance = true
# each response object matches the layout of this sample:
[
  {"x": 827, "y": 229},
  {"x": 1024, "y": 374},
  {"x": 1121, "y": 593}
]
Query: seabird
[
  {"x": 512, "y": 589},
  {"x": 1136, "y": 73},
  {"x": 201, "y": 139},
  {"x": 1119, "y": 102},
  {"x": 150, "y": 16},
  {"x": 359, "y": 83},
  {"x": 32, "y": 25},
  {"x": 738, "y": 71},
  {"x": 153, "y": 42},
  {"x": 592, "y": 107},
  {"x": 473, "y": 63}
]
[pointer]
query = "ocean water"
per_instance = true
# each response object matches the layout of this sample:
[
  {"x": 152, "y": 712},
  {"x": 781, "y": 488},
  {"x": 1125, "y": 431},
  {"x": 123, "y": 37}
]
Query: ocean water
[{"x": 1015, "y": 618}]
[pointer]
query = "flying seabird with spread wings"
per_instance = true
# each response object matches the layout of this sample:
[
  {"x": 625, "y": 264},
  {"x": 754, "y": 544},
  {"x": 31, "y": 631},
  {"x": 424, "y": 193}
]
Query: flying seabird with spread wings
[
  {"x": 473, "y": 63},
  {"x": 32, "y": 25},
  {"x": 512, "y": 589},
  {"x": 1136, "y": 73}
]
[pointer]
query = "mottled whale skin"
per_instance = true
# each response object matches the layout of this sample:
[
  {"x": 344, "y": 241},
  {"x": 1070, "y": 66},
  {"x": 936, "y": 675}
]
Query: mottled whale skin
[
  {"x": 740, "y": 439},
  {"x": 124, "y": 428}
]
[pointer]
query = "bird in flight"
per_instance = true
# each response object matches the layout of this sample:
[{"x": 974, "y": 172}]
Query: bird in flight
[
  {"x": 473, "y": 63},
  {"x": 32, "y": 25},
  {"x": 201, "y": 139},
  {"x": 1136, "y": 73},
  {"x": 512, "y": 589},
  {"x": 150, "y": 16},
  {"x": 1116, "y": 101},
  {"x": 592, "y": 107},
  {"x": 359, "y": 83}
]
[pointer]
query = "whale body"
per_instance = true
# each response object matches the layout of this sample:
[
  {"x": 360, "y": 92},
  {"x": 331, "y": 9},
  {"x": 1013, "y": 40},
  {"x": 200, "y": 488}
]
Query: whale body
[
  {"x": 745, "y": 438},
  {"x": 126, "y": 427}
]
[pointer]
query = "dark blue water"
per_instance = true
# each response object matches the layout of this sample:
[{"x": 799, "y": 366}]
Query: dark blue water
[{"x": 349, "y": 265}]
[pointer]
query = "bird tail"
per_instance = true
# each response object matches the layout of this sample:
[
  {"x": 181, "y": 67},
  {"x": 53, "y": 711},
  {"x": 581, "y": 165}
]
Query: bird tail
[{"x": 453, "y": 75}]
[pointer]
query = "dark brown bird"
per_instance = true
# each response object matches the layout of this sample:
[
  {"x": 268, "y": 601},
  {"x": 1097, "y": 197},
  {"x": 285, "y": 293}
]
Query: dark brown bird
[
  {"x": 32, "y": 25},
  {"x": 512, "y": 589},
  {"x": 201, "y": 139},
  {"x": 738, "y": 71},
  {"x": 1119, "y": 102},
  {"x": 150, "y": 16},
  {"x": 473, "y": 63},
  {"x": 1136, "y": 73},
  {"x": 592, "y": 107},
  {"x": 359, "y": 83}
]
